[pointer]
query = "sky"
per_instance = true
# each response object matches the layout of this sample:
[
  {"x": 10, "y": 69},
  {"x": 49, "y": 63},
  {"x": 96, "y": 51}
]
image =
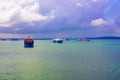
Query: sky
[{"x": 59, "y": 18}]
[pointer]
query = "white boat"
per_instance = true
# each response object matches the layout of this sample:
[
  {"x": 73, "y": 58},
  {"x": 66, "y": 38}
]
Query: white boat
[{"x": 58, "y": 40}]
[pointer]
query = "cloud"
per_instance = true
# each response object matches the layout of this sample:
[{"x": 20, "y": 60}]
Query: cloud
[
  {"x": 8, "y": 35},
  {"x": 78, "y": 4},
  {"x": 19, "y": 11},
  {"x": 16, "y": 29},
  {"x": 94, "y": 0},
  {"x": 52, "y": 17},
  {"x": 99, "y": 22}
]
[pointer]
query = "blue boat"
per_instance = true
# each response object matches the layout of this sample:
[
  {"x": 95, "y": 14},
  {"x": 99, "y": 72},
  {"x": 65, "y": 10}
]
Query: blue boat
[{"x": 28, "y": 42}]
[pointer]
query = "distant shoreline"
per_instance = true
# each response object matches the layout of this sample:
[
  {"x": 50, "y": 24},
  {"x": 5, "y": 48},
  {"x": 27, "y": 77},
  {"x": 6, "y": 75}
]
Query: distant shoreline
[{"x": 16, "y": 39}]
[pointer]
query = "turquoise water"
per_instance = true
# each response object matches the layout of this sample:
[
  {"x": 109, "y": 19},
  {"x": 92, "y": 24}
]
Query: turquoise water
[{"x": 71, "y": 60}]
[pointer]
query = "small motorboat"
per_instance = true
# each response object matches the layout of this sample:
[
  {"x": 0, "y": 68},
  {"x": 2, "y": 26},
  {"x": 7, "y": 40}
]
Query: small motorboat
[
  {"x": 28, "y": 42},
  {"x": 58, "y": 40}
]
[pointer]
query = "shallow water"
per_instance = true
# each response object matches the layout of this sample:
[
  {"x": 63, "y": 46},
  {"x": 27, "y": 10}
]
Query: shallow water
[{"x": 71, "y": 60}]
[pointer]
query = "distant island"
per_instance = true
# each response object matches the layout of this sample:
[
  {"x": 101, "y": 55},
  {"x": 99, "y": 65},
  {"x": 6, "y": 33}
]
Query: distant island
[{"x": 106, "y": 37}]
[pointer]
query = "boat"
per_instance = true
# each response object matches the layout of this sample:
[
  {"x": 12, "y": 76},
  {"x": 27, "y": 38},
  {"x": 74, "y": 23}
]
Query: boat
[
  {"x": 84, "y": 40},
  {"x": 58, "y": 40},
  {"x": 66, "y": 39},
  {"x": 3, "y": 39},
  {"x": 14, "y": 39},
  {"x": 28, "y": 42}
]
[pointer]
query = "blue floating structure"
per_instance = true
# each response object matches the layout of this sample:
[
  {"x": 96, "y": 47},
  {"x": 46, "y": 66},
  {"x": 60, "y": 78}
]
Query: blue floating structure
[
  {"x": 58, "y": 40},
  {"x": 28, "y": 42}
]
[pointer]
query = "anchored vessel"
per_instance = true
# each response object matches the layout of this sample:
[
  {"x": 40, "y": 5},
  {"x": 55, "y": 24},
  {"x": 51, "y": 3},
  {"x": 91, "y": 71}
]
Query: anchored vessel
[
  {"x": 57, "y": 40},
  {"x": 84, "y": 40},
  {"x": 28, "y": 42}
]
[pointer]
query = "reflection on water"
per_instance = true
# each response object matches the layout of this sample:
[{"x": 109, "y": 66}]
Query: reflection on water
[{"x": 72, "y": 60}]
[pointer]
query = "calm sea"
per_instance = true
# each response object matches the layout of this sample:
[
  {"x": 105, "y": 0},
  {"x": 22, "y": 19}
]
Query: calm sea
[{"x": 71, "y": 60}]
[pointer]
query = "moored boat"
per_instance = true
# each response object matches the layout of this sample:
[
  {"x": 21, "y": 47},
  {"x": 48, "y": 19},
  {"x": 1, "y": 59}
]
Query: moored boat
[
  {"x": 84, "y": 40},
  {"x": 58, "y": 40},
  {"x": 28, "y": 42},
  {"x": 3, "y": 39},
  {"x": 14, "y": 39}
]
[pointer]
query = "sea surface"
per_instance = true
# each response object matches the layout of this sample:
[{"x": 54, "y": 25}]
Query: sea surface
[{"x": 71, "y": 60}]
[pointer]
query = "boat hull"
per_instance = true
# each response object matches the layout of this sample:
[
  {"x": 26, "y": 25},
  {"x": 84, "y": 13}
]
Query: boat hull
[
  {"x": 28, "y": 44},
  {"x": 58, "y": 41}
]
